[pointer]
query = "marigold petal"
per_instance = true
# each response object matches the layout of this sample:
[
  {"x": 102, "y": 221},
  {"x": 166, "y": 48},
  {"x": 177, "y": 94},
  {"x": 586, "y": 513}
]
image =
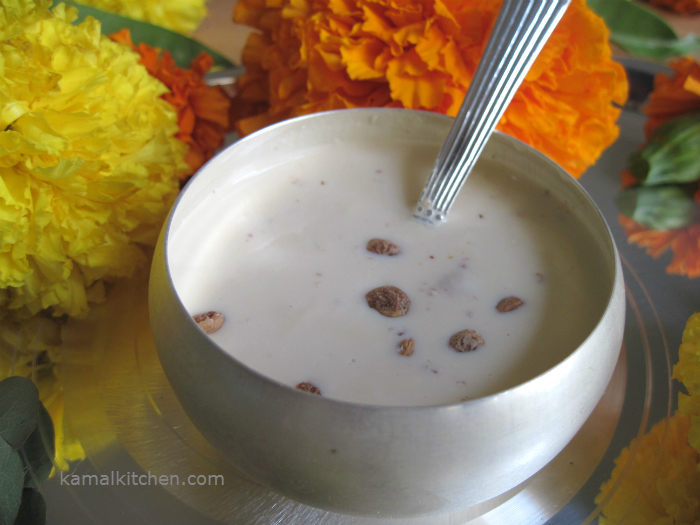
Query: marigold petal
[
  {"x": 346, "y": 8},
  {"x": 692, "y": 85},
  {"x": 360, "y": 59},
  {"x": 669, "y": 98},
  {"x": 375, "y": 24},
  {"x": 425, "y": 91},
  {"x": 248, "y": 12}
]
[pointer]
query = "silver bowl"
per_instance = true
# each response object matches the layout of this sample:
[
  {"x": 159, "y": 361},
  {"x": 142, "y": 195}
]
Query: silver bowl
[{"x": 381, "y": 460}]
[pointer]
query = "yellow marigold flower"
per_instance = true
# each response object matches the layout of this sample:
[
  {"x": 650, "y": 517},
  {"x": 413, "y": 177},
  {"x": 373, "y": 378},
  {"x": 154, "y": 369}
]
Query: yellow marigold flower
[
  {"x": 183, "y": 16},
  {"x": 687, "y": 370},
  {"x": 329, "y": 54},
  {"x": 32, "y": 349},
  {"x": 202, "y": 110},
  {"x": 88, "y": 162},
  {"x": 661, "y": 482}
]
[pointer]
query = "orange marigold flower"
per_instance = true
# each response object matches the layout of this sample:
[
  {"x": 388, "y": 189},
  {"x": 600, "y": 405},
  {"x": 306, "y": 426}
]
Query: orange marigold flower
[
  {"x": 628, "y": 180},
  {"x": 683, "y": 242},
  {"x": 683, "y": 7},
  {"x": 202, "y": 111},
  {"x": 675, "y": 95},
  {"x": 334, "y": 54}
]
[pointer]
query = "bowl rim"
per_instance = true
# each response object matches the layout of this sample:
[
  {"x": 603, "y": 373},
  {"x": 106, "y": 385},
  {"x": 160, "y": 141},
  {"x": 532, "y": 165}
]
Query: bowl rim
[{"x": 610, "y": 247}]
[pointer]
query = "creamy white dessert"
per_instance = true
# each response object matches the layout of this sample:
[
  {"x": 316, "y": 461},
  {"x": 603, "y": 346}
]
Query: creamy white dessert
[{"x": 281, "y": 253}]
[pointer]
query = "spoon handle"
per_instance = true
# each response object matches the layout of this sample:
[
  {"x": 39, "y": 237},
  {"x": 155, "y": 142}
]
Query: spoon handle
[{"x": 521, "y": 30}]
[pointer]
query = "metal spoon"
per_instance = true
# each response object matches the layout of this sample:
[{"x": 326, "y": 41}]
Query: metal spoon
[{"x": 521, "y": 30}]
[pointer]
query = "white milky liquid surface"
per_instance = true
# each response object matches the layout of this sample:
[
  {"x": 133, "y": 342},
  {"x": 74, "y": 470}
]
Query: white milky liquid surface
[{"x": 282, "y": 255}]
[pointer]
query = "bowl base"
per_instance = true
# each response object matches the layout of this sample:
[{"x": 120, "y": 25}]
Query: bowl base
[{"x": 125, "y": 413}]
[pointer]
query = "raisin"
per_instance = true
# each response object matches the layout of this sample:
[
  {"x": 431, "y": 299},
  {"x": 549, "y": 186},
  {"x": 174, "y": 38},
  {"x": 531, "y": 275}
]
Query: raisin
[{"x": 388, "y": 301}]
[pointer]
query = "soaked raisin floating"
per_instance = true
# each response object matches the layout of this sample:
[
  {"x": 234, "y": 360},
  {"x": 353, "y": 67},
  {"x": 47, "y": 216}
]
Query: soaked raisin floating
[
  {"x": 308, "y": 387},
  {"x": 508, "y": 304},
  {"x": 209, "y": 322},
  {"x": 407, "y": 347},
  {"x": 389, "y": 301},
  {"x": 466, "y": 341},
  {"x": 383, "y": 247}
]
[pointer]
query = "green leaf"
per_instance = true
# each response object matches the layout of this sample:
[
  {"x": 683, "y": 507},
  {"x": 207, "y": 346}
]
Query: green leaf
[
  {"x": 641, "y": 32},
  {"x": 19, "y": 409},
  {"x": 671, "y": 155},
  {"x": 39, "y": 450},
  {"x": 32, "y": 510},
  {"x": 182, "y": 48},
  {"x": 11, "y": 481},
  {"x": 659, "y": 207}
]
